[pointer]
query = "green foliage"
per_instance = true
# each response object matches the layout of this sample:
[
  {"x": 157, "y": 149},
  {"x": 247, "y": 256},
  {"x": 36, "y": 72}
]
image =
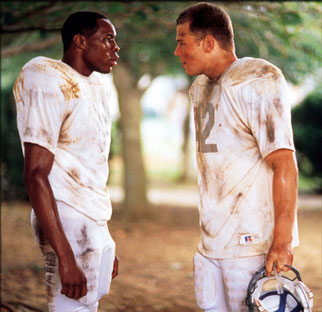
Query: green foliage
[
  {"x": 11, "y": 154},
  {"x": 308, "y": 136},
  {"x": 147, "y": 37},
  {"x": 288, "y": 34}
]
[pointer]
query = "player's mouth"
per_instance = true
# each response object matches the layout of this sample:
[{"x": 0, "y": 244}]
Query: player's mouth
[{"x": 113, "y": 60}]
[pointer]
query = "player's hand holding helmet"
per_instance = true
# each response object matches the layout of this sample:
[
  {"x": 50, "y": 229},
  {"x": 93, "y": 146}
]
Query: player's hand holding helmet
[{"x": 278, "y": 293}]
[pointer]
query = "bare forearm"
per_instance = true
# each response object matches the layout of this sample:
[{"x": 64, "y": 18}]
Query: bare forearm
[
  {"x": 285, "y": 198},
  {"x": 284, "y": 167},
  {"x": 44, "y": 205}
]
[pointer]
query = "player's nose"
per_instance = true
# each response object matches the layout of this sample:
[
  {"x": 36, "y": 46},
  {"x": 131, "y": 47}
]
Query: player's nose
[{"x": 177, "y": 51}]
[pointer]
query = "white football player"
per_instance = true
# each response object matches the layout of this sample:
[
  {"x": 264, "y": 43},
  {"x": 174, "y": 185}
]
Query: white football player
[{"x": 247, "y": 171}]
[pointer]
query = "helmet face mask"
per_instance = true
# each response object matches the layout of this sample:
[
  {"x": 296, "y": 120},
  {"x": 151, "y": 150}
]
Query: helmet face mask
[
  {"x": 273, "y": 301},
  {"x": 278, "y": 293}
]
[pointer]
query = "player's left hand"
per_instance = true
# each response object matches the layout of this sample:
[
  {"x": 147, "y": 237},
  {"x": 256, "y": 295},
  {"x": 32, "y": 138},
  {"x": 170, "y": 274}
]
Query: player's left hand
[
  {"x": 281, "y": 254},
  {"x": 115, "y": 267}
]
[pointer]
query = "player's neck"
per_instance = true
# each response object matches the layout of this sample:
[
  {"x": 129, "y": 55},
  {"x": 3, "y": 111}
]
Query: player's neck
[
  {"x": 218, "y": 67},
  {"x": 75, "y": 61}
]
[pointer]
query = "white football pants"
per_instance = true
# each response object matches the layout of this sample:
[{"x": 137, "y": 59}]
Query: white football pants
[
  {"x": 221, "y": 285},
  {"x": 94, "y": 251}
]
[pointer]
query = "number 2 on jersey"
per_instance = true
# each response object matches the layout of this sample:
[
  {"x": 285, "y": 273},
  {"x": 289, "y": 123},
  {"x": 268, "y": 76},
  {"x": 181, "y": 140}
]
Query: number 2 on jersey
[{"x": 202, "y": 135}]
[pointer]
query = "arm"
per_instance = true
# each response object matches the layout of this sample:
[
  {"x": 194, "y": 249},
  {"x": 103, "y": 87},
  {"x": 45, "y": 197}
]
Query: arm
[
  {"x": 283, "y": 164},
  {"x": 38, "y": 164}
]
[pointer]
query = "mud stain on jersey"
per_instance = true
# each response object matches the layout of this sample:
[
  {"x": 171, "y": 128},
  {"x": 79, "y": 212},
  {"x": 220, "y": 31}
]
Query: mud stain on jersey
[
  {"x": 41, "y": 133},
  {"x": 225, "y": 282},
  {"x": 203, "y": 227},
  {"x": 86, "y": 253},
  {"x": 253, "y": 68},
  {"x": 207, "y": 91},
  {"x": 278, "y": 105},
  {"x": 70, "y": 90},
  {"x": 102, "y": 147},
  {"x": 27, "y": 132},
  {"x": 270, "y": 128},
  {"x": 66, "y": 117},
  {"x": 203, "y": 170},
  {"x": 90, "y": 187},
  {"x": 83, "y": 241},
  {"x": 236, "y": 131},
  {"x": 85, "y": 258},
  {"x": 44, "y": 133},
  {"x": 51, "y": 66},
  {"x": 74, "y": 174},
  {"x": 234, "y": 209},
  {"x": 19, "y": 84},
  {"x": 64, "y": 137},
  {"x": 219, "y": 186}
]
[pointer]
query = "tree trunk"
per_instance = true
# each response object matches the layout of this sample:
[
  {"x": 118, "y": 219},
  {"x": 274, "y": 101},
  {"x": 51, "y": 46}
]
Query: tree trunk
[
  {"x": 186, "y": 139},
  {"x": 135, "y": 202},
  {"x": 186, "y": 147}
]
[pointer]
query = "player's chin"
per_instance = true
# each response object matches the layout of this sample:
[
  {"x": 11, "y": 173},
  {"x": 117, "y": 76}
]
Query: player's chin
[
  {"x": 187, "y": 69},
  {"x": 109, "y": 67},
  {"x": 105, "y": 70},
  {"x": 189, "y": 72}
]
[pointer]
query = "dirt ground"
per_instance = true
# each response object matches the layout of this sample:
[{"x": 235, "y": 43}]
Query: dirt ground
[{"x": 155, "y": 261}]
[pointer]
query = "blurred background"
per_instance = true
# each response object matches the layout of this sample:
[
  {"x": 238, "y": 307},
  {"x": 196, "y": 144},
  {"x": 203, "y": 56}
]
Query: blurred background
[{"x": 152, "y": 161}]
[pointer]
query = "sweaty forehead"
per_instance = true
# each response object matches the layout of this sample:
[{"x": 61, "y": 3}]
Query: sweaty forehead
[
  {"x": 183, "y": 30},
  {"x": 106, "y": 27}
]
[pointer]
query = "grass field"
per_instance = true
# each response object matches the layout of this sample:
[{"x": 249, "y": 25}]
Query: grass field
[{"x": 155, "y": 260}]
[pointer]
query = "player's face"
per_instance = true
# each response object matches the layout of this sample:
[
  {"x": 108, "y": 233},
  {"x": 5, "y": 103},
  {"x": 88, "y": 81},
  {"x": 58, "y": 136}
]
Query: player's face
[
  {"x": 101, "y": 49},
  {"x": 189, "y": 50}
]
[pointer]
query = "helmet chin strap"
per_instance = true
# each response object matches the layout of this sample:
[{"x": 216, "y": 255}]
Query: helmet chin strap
[
  {"x": 278, "y": 293},
  {"x": 279, "y": 284},
  {"x": 282, "y": 302}
]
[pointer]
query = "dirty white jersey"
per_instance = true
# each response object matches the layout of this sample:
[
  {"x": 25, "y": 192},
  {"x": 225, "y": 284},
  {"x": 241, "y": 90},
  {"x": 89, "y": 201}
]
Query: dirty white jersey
[
  {"x": 67, "y": 113},
  {"x": 239, "y": 119}
]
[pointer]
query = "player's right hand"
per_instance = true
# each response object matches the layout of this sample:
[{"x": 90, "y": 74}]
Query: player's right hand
[
  {"x": 74, "y": 283},
  {"x": 279, "y": 254}
]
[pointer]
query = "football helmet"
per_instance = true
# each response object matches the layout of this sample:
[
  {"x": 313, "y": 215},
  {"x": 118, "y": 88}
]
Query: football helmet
[{"x": 278, "y": 293}]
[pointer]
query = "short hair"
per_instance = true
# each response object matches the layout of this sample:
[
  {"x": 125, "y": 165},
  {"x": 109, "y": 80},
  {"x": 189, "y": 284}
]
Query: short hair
[
  {"x": 206, "y": 18},
  {"x": 82, "y": 22}
]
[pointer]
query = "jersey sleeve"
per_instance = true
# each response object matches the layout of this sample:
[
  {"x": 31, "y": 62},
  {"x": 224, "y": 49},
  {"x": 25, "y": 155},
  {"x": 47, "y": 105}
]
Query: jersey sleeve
[
  {"x": 40, "y": 108},
  {"x": 269, "y": 114}
]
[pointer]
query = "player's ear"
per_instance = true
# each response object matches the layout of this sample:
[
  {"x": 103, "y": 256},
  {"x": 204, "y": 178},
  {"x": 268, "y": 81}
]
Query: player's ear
[
  {"x": 79, "y": 41},
  {"x": 209, "y": 43}
]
